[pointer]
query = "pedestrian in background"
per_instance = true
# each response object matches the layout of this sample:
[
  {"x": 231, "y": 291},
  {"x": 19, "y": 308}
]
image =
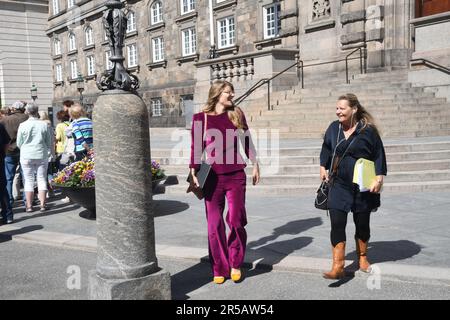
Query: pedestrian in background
[
  {"x": 7, "y": 213},
  {"x": 12, "y": 155},
  {"x": 353, "y": 136},
  {"x": 227, "y": 179},
  {"x": 81, "y": 131},
  {"x": 34, "y": 140}
]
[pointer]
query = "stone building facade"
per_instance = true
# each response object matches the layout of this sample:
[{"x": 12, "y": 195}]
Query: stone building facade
[
  {"x": 169, "y": 45},
  {"x": 25, "y": 52}
]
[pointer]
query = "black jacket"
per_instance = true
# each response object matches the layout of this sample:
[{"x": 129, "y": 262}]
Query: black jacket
[{"x": 363, "y": 143}]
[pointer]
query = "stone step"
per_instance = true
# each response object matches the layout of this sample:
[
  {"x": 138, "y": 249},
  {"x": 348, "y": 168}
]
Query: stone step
[
  {"x": 323, "y": 108},
  {"x": 386, "y": 130},
  {"x": 392, "y": 134},
  {"x": 373, "y": 100},
  {"x": 381, "y": 118},
  {"x": 336, "y": 93},
  {"x": 314, "y": 169},
  {"x": 365, "y": 97},
  {"x": 294, "y": 122},
  {"x": 311, "y": 159},
  {"x": 310, "y": 151},
  {"x": 307, "y": 179},
  {"x": 283, "y": 190}
]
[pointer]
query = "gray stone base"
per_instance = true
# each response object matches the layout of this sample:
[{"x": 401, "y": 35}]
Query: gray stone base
[{"x": 153, "y": 287}]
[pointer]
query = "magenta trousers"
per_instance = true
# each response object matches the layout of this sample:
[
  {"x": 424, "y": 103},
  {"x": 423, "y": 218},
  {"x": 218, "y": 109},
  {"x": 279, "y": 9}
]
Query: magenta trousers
[{"x": 226, "y": 252}]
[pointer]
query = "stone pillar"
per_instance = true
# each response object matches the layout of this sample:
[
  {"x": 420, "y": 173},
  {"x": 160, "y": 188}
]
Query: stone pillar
[{"x": 127, "y": 267}]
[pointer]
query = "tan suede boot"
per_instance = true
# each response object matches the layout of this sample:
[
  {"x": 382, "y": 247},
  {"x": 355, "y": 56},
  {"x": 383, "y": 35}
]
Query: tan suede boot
[
  {"x": 337, "y": 270},
  {"x": 361, "y": 252}
]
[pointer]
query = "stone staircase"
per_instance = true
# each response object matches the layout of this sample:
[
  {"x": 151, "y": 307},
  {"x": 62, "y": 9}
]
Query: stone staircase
[
  {"x": 400, "y": 110},
  {"x": 415, "y": 126},
  {"x": 413, "y": 166}
]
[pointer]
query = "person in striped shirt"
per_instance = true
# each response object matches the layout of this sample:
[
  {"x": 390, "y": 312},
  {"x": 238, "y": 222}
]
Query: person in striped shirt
[{"x": 81, "y": 131}]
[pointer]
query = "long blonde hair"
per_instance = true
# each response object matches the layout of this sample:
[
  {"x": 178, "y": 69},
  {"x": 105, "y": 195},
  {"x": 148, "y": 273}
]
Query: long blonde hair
[
  {"x": 361, "y": 114},
  {"x": 234, "y": 114}
]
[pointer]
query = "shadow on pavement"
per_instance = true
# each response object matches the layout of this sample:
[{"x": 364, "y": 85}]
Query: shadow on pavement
[
  {"x": 52, "y": 209},
  {"x": 377, "y": 252},
  {"x": 190, "y": 280},
  {"x": 7, "y": 235},
  {"x": 273, "y": 253},
  {"x": 167, "y": 207}
]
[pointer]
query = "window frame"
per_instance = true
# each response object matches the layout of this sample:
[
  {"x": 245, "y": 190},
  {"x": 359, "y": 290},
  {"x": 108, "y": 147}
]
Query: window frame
[
  {"x": 70, "y": 4},
  {"x": 73, "y": 73},
  {"x": 72, "y": 40},
  {"x": 90, "y": 65},
  {"x": 108, "y": 62},
  {"x": 58, "y": 72},
  {"x": 192, "y": 40},
  {"x": 190, "y": 6},
  {"x": 57, "y": 47},
  {"x": 89, "y": 36},
  {"x": 55, "y": 7},
  {"x": 159, "y": 13},
  {"x": 131, "y": 26},
  {"x": 161, "y": 51},
  {"x": 129, "y": 56},
  {"x": 277, "y": 22},
  {"x": 156, "y": 106},
  {"x": 230, "y": 41}
]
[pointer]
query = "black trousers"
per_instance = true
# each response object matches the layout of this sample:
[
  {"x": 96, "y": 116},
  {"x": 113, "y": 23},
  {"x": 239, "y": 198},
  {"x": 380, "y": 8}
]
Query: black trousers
[{"x": 339, "y": 222}]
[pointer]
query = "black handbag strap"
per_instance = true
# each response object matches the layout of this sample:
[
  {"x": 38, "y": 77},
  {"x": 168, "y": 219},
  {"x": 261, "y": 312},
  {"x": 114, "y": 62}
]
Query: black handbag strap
[
  {"x": 335, "y": 167},
  {"x": 205, "y": 124}
]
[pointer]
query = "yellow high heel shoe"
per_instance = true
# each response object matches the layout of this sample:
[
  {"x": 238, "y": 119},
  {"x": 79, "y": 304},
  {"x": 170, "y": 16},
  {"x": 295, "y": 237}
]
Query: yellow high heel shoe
[
  {"x": 219, "y": 280},
  {"x": 236, "y": 275}
]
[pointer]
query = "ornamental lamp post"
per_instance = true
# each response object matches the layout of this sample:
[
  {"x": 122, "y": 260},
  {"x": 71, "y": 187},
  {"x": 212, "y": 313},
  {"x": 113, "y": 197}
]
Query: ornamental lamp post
[
  {"x": 127, "y": 266},
  {"x": 33, "y": 91}
]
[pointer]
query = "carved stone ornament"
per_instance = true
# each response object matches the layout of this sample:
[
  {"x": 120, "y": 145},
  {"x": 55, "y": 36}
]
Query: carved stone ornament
[
  {"x": 321, "y": 9},
  {"x": 115, "y": 24}
]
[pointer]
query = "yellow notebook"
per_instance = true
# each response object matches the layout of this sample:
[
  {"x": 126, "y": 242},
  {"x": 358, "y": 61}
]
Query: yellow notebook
[{"x": 364, "y": 174}]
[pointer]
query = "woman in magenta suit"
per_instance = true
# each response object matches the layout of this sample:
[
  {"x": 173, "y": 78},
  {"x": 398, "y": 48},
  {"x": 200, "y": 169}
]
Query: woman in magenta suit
[{"x": 226, "y": 127}]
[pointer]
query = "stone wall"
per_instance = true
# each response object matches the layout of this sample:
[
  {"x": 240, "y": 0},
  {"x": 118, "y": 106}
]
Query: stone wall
[{"x": 24, "y": 52}]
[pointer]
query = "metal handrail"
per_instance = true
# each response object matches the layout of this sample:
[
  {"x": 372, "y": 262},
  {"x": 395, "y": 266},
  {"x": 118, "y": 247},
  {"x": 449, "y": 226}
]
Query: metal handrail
[
  {"x": 360, "y": 62},
  {"x": 267, "y": 81},
  {"x": 250, "y": 91},
  {"x": 300, "y": 74},
  {"x": 432, "y": 65}
]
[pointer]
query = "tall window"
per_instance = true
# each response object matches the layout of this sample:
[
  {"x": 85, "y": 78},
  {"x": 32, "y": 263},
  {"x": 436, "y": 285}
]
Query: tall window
[
  {"x": 90, "y": 65},
  {"x": 55, "y": 6},
  {"x": 158, "y": 49},
  {"x": 72, "y": 42},
  {"x": 272, "y": 22},
  {"x": 156, "y": 107},
  {"x": 131, "y": 22},
  {"x": 187, "y": 6},
  {"x": 156, "y": 12},
  {"x": 89, "y": 36},
  {"x": 225, "y": 32},
  {"x": 58, "y": 73},
  {"x": 73, "y": 69},
  {"x": 132, "y": 55},
  {"x": 189, "y": 40},
  {"x": 70, "y": 3},
  {"x": 57, "y": 47},
  {"x": 108, "y": 63}
]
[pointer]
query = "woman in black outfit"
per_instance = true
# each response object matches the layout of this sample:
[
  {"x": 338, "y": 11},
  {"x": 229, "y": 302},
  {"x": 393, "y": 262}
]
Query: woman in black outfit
[{"x": 353, "y": 136}]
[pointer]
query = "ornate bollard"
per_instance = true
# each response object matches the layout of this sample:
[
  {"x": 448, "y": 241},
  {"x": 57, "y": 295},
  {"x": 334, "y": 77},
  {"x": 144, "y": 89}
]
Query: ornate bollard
[{"x": 127, "y": 266}]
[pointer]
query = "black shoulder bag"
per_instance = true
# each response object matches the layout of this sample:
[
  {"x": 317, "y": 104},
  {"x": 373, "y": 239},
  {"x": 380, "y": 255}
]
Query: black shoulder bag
[{"x": 203, "y": 173}]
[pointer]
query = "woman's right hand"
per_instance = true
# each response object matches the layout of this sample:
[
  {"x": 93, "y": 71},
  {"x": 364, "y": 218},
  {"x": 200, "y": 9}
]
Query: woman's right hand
[
  {"x": 194, "y": 182},
  {"x": 323, "y": 174}
]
